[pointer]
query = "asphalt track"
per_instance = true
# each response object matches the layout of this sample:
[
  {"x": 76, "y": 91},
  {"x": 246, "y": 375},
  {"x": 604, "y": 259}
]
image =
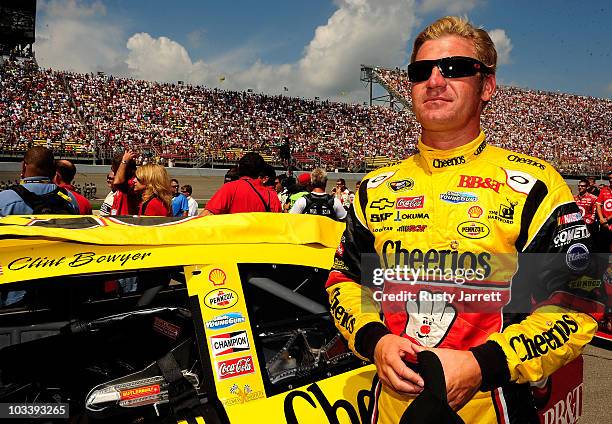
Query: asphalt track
[{"x": 597, "y": 362}]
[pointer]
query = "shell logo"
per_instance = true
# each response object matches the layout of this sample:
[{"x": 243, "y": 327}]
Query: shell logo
[
  {"x": 475, "y": 212},
  {"x": 217, "y": 277}
]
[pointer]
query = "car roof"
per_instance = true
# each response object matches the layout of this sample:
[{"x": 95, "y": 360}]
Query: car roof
[{"x": 32, "y": 247}]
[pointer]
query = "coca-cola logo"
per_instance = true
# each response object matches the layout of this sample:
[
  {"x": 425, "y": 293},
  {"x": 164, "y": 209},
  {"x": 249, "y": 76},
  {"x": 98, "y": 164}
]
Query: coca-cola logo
[
  {"x": 235, "y": 367},
  {"x": 413, "y": 202}
]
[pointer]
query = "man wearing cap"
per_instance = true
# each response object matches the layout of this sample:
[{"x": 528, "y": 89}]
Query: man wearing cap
[
  {"x": 462, "y": 205},
  {"x": 300, "y": 189},
  {"x": 604, "y": 214}
]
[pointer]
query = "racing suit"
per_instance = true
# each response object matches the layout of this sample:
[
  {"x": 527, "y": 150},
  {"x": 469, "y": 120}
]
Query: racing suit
[{"x": 476, "y": 206}]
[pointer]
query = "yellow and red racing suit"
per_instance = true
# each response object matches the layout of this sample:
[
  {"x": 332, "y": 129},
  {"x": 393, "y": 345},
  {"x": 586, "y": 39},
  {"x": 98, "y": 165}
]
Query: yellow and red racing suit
[{"x": 509, "y": 216}]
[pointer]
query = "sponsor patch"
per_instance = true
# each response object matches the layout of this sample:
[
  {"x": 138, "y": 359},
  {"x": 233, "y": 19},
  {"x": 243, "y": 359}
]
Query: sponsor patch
[
  {"x": 475, "y": 181},
  {"x": 242, "y": 395},
  {"x": 475, "y": 212},
  {"x": 401, "y": 185},
  {"x": 551, "y": 339},
  {"x": 569, "y": 218},
  {"x": 225, "y": 321},
  {"x": 379, "y": 179},
  {"x": 166, "y": 328},
  {"x": 340, "y": 250},
  {"x": 577, "y": 257},
  {"x": 444, "y": 163},
  {"x": 217, "y": 277},
  {"x": 505, "y": 213},
  {"x": 458, "y": 197},
  {"x": 221, "y": 298},
  {"x": 568, "y": 235},
  {"x": 380, "y": 217},
  {"x": 381, "y": 204},
  {"x": 139, "y": 392},
  {"x": 519, "y": 181},
  {"x": 341, "y": 315},
  {"x": 528, "y": 161},
  {"x": 223, "y": 344},
  {"x": 473, "y": 230},
  {"x": 402, "y": 216},
  {"x": 414, "y": 202},
  {"x": 235, "y": 367},
  {"x": 411, "y": 228},
  {"x": 607, "y": 205},
  {"x": 584, "y": 283}
]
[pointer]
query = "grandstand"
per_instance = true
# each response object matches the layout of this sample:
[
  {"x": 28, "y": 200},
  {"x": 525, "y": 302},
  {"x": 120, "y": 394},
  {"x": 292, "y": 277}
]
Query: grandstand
[{"x": 89, "y": 117}]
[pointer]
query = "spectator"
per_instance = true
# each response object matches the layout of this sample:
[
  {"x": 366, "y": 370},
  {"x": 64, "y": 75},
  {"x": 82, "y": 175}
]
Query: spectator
[
  {"x": 318, "y": 202},
  {"x": 604, "y": 213},
  {"x": 107, "y": 204},
  {"x": 231, "y": 175},
  {"x": 187, "y": 190},
  {"x": 586, "y": 203},
  {"x": 352, "y": 195},
  {"x": 593, "y": 189},
  {"x": 342, "y": 193},
  {"x": 300, "y": 189},
  {"x": 153, "y": 185},
  {"x": 125, "y": 201},
  {"x": 65, "y": 172},
  {"x": 245, "y": 194},
  {"x": 37, "y": 170},
  {"x": 180, "y": 204}
]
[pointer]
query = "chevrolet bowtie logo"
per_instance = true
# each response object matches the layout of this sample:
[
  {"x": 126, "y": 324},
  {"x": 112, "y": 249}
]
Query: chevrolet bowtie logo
[{"x": 382, "y": 204}]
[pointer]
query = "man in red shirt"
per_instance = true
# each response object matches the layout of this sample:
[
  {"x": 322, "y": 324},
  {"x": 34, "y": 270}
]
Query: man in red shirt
[
  {"x": 247, "y": 194},
  {"x": 604, "y": 213},
  {"x": 64, "y": 174},
  {"x": 586, "y": 204}
]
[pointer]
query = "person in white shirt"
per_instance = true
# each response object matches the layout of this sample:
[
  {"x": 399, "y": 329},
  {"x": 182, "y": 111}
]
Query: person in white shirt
[
  {"x": 318, "y": 202},
  {"x": 193, "y": 204}
]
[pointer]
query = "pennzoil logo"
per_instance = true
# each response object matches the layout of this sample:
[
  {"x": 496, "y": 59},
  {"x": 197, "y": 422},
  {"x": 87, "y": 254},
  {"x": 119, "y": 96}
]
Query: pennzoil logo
[
  {"x": 401, "y": 185},
  {"x": 473, "y": 230},
  {"x": 217, "y": 277},
  {"x": 221, "y": 298}
]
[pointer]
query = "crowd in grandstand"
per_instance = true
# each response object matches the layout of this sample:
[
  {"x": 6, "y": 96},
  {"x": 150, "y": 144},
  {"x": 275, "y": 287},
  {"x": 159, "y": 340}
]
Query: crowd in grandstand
[{"x": 72, "y": 112}]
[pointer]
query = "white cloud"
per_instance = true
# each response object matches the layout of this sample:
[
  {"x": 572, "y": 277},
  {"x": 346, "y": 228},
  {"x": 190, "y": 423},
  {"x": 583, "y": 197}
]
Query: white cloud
[
  {"x": 451, "y": 7},
  {"x": 77, "y": 36},
  {"x": 503, "y": 45}
]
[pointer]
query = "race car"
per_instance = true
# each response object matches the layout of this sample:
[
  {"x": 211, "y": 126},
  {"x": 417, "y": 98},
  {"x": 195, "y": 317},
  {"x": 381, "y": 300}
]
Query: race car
[{"x": 212, "y": 320}]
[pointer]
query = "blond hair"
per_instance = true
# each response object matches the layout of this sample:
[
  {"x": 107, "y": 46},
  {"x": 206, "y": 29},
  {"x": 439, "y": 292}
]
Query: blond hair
[
  {"x": 454, "y": 25},
  {"x": 318, "y": 177},
  {"x": 156, "y": 182}
]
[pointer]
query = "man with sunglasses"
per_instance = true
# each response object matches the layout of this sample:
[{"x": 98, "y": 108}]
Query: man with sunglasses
[
  {"x": 586, "y": 203},
  {"x": 461, "y": 204}
]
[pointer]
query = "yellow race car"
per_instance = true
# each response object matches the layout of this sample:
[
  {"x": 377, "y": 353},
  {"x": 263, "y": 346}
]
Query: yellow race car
[
  {"x": 224, "y": 318},
  {"x": 212, "y": 320}
]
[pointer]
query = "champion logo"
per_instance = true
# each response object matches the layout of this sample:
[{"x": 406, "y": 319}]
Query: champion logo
[{"x": 223, "y": 344}]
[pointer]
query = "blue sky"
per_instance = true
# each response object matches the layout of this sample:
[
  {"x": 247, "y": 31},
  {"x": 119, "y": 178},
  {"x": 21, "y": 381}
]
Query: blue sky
[{"x": 315, "y": 47}]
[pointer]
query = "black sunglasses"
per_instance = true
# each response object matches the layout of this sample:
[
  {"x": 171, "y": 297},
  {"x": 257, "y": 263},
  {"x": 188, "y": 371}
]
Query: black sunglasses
[{"x": 449, "y": 67}]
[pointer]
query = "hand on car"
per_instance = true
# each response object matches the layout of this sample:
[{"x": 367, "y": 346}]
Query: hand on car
[{"x": 389, "y": 356}]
